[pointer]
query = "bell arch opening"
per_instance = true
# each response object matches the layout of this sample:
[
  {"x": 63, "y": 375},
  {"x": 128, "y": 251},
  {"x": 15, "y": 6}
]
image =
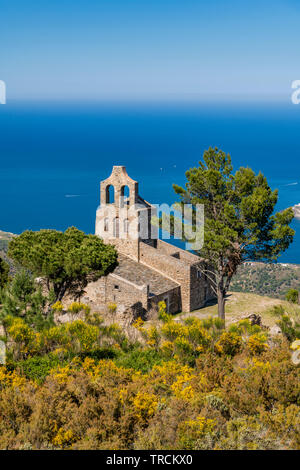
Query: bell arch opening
[
  {"x": 125, "y": 194},
  {"x": 110, "y": 194}
]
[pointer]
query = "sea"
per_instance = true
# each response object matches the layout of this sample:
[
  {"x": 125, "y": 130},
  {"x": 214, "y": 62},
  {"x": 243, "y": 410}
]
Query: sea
[{"x": 54, "y": 155}]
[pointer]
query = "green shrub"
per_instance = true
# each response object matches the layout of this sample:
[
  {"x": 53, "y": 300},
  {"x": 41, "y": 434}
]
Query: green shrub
[
  {"x": 289, "y": 329},
  {"x": 37, "y": 368},
  {"x": 142, "y": 360},
  {"x": 292, "y": 296}
]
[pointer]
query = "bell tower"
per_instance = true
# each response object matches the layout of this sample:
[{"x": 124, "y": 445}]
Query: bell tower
[{"x": 123, "y": 217}]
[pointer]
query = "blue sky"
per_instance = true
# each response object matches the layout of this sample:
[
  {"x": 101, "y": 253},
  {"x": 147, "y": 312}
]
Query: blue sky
[{"x": 149, "y": 49}]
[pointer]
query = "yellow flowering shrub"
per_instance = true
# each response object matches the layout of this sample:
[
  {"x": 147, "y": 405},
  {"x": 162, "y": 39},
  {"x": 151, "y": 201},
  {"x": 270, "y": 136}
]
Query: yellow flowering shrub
[
  {"x": 162, "y": 312},
  {"x": 153, "y": 337},
  {"x": 61, "y": 374},
  {"x": 11, "y": 379},
  {"x": 257, "y": 365},
  {"x": 138, "y": 323},
  {"x": 58, "y": 306},
  {"x": 182, "y": 387},
  {"x": 64, "y": 438},
  {"x": 179, "y": 388},
  {"x": 167, "y": 348},
  {"x": 76, "y": 307},
  {"x": 145, "y": 405},
  {"x": 112, "y": 307},
  {"x": 295, "y": 345},
  {"x": 257, "y": 343},
  {"x": 168, "y": 371},
  {"x": 172, "y": 330},
  {"x": 192, "y": 431},
  {"x": 229, "y": 343},
  {"x": 197, "y": 334},
  {"x": 23, "y": 337},
  {"x": 183, "y": 346},
  {"x": 86, "y": 335}
]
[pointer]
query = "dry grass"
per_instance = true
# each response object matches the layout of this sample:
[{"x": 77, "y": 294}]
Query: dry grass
[{"x": 239, "y": 305}]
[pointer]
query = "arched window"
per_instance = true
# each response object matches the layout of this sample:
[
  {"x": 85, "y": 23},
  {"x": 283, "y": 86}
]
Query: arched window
[
  {"x": 106, "y": 220},
  {"x": 124, "y": 195},
  {"x": 126, "y": 226},
  {"x": 110, "y": 194},
  {"x": 116, "y": 227}
]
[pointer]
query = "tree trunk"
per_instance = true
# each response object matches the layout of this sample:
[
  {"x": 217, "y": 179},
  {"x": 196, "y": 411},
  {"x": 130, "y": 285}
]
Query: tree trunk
[
  {"x": 221, "y": 304},
  {"x": 221, "y": 298}
]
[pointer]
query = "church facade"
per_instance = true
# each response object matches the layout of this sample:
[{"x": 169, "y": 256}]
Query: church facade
[{"x": 149, "y": 269}]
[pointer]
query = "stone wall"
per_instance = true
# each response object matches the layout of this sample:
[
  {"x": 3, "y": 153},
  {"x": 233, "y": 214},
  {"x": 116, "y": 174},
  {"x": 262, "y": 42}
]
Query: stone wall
[
  {"x": 182, "y": 268},
  {"x": 172, "y": 299},
  {"x": 171, "y": 267},
  {"x": 114, "y": 289}
]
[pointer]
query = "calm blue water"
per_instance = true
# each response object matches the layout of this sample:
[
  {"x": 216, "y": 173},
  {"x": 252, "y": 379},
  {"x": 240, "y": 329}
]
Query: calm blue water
[{"x": 53, "y": 156}]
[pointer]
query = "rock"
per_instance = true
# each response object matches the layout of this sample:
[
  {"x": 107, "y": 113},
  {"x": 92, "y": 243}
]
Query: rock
[
  {"x": 254, "y": 319},
  {"x": 275, "y": 330}
]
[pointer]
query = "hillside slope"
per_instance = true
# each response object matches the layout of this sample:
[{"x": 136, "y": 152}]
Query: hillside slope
[
  {"x": 5, "y": 237},
  {"x": 273, "y": 280}
]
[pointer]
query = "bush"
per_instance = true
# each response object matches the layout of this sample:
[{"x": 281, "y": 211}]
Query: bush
[
  {"x": 37, "y": 368},
  {"x": 290, "y": 329},
  {"x": 257, "y": 343},
  {"x": 292, "y": 296},
  {"x": 229, "y": 343},
  {"x": 4, "y": 273},
  {"x": 140, "y": 360}
]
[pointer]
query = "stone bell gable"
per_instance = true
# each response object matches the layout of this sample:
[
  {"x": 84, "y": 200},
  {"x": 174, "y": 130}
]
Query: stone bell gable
[
  {"x": 150, "y": 270},
  {"x": 123, "y": 217}
]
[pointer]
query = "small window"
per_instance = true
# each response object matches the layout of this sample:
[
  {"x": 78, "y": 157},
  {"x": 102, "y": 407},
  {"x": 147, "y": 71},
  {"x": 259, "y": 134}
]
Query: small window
[
  {"x": 116, "y": 228},
  {"x": 126, "y": 226},
  {"x": 116, "y": 287},
  {"x": 106, "y": 224}
]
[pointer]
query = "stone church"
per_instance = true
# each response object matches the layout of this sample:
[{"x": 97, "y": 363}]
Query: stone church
[{"x": 149, "y": 269}]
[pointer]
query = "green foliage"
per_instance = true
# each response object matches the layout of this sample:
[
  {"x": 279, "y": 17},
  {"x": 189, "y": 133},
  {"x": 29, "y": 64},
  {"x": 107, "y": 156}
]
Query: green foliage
[
  {"x": 277, "y": 310},
  {"x": 4, "y": 273},
  {"x": 23, "y": 298},
  {"x": 244, "y": 327},
  {"x": 162, "y": 312},
  {"x": 273, "y": 280},
  {"x": 38, "y": 367},
  {"x": 67, "y": 261},
  {"x": 290, "y": 328},
  {"x": 292, "y": 296},
  {"x": 140, "y": 360}
]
